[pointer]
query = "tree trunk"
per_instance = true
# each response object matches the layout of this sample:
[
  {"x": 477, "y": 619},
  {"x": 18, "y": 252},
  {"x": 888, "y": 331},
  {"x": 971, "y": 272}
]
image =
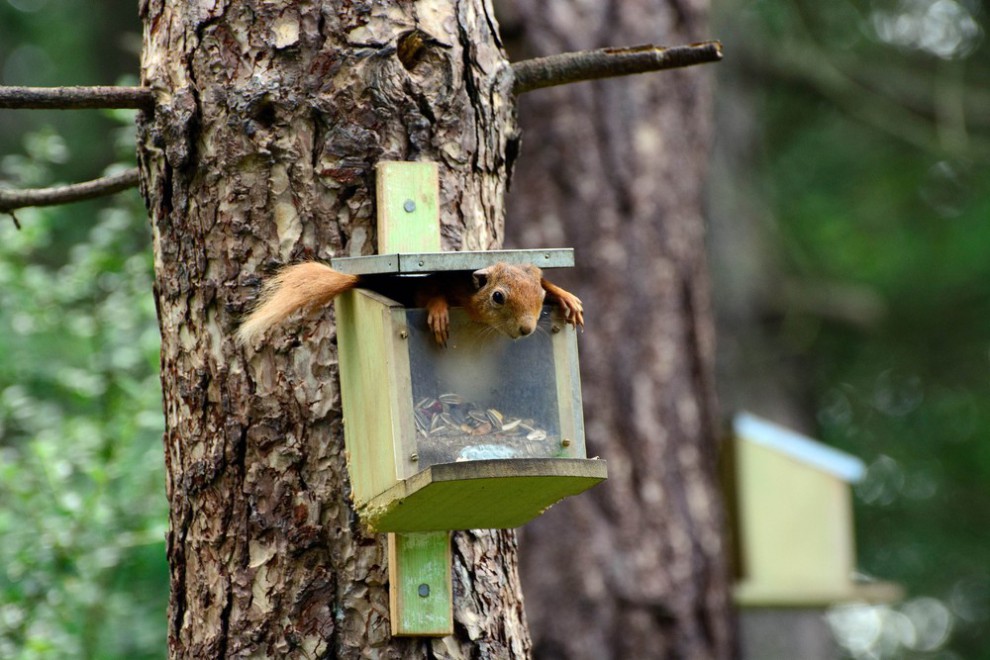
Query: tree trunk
[
  {"x": 270, "y": 119},
  {"x": 637, "y": 568}
]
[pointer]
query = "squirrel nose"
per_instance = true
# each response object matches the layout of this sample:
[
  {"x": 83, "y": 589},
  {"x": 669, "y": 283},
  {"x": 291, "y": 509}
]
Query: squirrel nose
[{"x": 525, "y": 329}]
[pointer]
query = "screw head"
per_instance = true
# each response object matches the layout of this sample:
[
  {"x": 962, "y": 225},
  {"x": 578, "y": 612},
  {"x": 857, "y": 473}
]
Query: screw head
[
  {"x": 414, "y": 457},
  {"x": 409, "y": 206},
  {"x": 565, "y": 442},
  {"x": 403, "y": 334},
  {"x": 424, "y": 590}
]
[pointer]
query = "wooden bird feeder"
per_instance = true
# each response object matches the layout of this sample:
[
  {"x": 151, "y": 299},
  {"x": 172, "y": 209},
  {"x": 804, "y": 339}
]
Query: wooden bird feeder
[
  {"x": 794, "y": 520},
  {"x": 486, "y": 432}
]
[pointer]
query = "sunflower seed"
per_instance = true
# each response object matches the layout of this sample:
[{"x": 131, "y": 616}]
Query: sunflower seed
[{"x": 511, "y": 425}]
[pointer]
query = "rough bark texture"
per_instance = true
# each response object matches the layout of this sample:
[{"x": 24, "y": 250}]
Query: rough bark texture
[
  {"x": 637, "y": 568},
  {"x": 270, "y": 118}
]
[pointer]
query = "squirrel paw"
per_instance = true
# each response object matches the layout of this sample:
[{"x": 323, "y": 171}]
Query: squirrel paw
[
  {"x": 439, "y": 321},
  {"x": 573, "y": 310}
]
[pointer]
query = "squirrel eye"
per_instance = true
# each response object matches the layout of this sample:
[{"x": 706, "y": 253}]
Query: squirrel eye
[{"x": 498, "y": 298}]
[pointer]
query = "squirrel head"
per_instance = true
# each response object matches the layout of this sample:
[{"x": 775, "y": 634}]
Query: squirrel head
[{"x": 508, "y": 298}]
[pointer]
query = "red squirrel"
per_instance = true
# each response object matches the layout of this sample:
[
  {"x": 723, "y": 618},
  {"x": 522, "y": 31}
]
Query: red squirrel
[{"x": 505, "y": 297}]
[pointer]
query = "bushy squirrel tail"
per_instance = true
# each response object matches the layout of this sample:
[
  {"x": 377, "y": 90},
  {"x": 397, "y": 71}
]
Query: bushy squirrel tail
[{"x": 302, "y": 286}]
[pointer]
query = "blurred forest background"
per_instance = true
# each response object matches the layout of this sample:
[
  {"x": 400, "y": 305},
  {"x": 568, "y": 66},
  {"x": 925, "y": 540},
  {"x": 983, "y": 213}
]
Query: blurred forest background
[{"x": 850, "y": 233}]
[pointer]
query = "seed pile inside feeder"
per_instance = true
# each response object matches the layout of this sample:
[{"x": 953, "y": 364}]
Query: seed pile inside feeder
[{"x": 448, "y": 428}]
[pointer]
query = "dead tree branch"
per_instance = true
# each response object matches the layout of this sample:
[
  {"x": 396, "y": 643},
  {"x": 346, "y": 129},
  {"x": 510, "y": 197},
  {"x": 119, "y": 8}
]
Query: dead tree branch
[
  {"x": 11, "y": 200},
  {"x": 72, "y": 98},
  {"x": 531, "y": 74},
  {"x": 607, "y": 63}
]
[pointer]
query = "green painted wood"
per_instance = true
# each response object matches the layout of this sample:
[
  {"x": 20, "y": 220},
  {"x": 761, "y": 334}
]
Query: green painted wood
[
  {"x": 493, "y": 494},
  {"x": 370, "y": 397},
  {"x": 568, "y": 379},
  {"x": 409, "y": 221},
  {"x": 407, "y": 195},
  {"x": 800, "y": 544},
  {"x": 404, "y": 423},
  {"x": 420, "y": 589}
]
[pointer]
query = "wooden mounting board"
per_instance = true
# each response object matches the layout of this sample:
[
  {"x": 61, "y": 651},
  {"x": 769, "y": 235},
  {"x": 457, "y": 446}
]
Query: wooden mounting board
[
  {"x": 408, "y": 201},
  {"x": 420, "y": 584}
]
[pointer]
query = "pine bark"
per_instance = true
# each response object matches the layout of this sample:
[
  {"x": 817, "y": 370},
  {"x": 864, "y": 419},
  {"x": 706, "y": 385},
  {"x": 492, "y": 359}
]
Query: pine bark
[
  {"x": 636, "y": 568},
  {"x": 270, "y": 117}
]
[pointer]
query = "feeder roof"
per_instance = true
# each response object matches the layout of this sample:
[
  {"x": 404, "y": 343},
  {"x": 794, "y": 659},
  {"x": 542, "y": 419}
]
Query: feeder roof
[{"x": 799, "y": 447}]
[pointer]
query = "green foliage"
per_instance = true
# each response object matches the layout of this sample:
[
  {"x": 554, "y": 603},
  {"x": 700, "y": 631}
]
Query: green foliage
[
  {"x": 83, "y": 512},
  {"x": 82, "y": 494},
  {"x": 66, "y": 42},
  {"x": 82, "y": 500},
  {"x": 870, "y": 187}
]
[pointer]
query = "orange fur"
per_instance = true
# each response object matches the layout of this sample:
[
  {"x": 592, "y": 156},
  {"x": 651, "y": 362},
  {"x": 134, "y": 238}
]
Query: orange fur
[
  {"x": 505, "y": 297},
  {"x": 303, "y": 286}
]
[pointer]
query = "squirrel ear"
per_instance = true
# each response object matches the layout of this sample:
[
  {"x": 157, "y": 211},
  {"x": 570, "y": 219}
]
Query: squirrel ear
[{"x": 480, "y": 277}]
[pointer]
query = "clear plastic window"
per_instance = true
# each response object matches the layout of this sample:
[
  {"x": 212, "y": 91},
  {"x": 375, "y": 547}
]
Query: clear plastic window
[{"x": 483, "y": 396}]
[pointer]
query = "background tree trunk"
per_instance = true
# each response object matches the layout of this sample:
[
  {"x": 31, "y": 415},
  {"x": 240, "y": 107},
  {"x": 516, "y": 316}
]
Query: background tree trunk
[
  {"x": 271, "y": 118},
  {"x": 636, "y": 568}
]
